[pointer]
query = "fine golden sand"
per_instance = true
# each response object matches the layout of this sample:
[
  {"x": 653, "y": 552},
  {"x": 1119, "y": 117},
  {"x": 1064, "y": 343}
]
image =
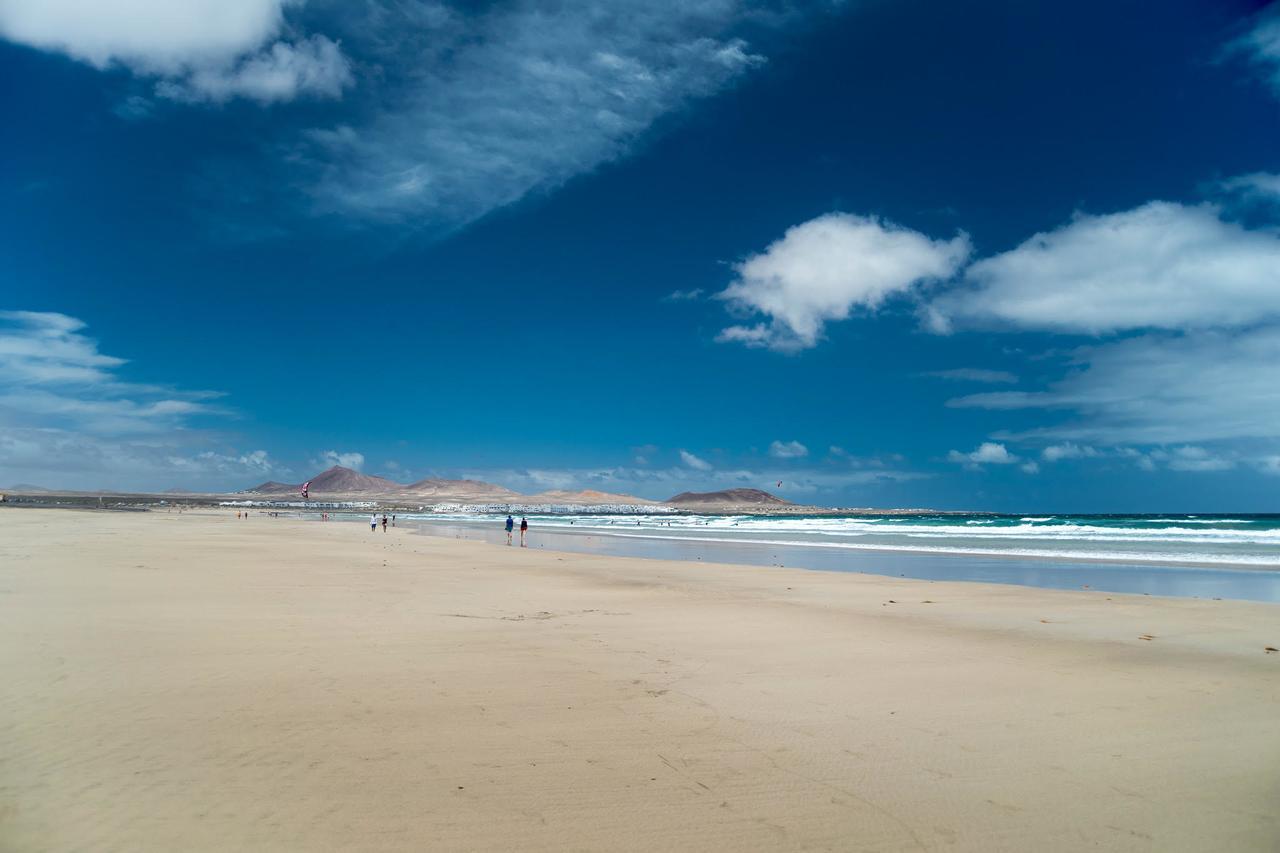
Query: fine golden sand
[{"x": 194, "y": 682}]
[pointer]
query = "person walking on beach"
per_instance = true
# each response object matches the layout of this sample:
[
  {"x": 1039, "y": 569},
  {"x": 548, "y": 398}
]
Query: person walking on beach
[
  {"x": 511, "y": 523},
  {"x": 384, "y": 522},
  {"x": 373, "y": 522},
  {"x": 524, "y": 529}
]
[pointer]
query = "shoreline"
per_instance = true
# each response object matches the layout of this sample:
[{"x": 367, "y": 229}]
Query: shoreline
[
  {"x": 1118, "y": 559},
  {"x": 1248, "y": 583}
]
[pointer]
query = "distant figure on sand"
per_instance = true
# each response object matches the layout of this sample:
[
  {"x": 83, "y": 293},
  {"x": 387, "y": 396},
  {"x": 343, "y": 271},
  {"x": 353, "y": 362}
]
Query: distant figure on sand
[
  {"x": 384, "y": 522},
  {"x": 373, "y": 522},
  {"x": 524, "y": 528},
  {"x": 511, "y": 523}
]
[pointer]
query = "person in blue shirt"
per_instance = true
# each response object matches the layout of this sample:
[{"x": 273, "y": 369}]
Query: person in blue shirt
[{"x": 511, "y": 523}]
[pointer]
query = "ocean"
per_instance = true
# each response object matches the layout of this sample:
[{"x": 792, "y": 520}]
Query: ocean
[{"x": 1228, "y": 556}]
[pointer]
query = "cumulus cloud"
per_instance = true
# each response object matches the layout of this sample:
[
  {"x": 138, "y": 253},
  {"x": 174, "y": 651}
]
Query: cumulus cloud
[
  {"x": 1029, "y": 467},
  {"x": 1068, "y": 450},
  {"x": 200, "y": 49},
  {"x": 1190, "y": 458},
  {"x": 329, "y": 458},
  {"x": 282, "y": 72},
  {"x": 153, "y": 35},
  {"x": 694, "y": 462},
  {"x": 1158, "y": 266},
  {"x": 976, "y": 374},
  {"x": 987, "y": 453},
  {"x": 823, "y": 270},
  {"x": 481, "y": 109},
  {"x": 1160, "y": 389},
  {"x": 788, "y": 450}
]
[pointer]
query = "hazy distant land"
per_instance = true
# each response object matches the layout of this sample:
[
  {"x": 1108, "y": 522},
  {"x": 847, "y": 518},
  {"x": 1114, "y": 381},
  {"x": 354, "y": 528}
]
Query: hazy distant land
[{"x": 345, "y": 485}]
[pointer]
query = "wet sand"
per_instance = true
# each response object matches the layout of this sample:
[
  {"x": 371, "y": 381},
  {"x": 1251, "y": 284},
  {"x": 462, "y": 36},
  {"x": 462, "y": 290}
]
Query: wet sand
[{"x": 196, "y": 682}]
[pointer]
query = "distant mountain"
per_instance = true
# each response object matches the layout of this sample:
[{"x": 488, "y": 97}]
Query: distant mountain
[
  {"x": 341, "y": 481},
  {"x": 729, "y": 497},
  {"x": 25, "y": 487},
  {"x": 588, "y": 497},
  {"x": 271, "y": 487},
  {"x": 459, "y": 490}
]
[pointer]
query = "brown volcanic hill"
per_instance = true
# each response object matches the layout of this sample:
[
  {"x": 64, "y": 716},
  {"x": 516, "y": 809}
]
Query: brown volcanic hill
[
  {"x": 730, "y": 497},
  {"x": 340, "y": 481},
  {"x": 586, "y": 497},
  {"x": 271, "y": 487},
  {"x": 460, "y": 490}
]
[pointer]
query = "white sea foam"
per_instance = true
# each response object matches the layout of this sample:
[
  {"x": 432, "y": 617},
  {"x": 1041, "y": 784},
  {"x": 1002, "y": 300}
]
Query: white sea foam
[
  {"x": 1123, "y": 540},
  {"x": 1106, "y": 556}
]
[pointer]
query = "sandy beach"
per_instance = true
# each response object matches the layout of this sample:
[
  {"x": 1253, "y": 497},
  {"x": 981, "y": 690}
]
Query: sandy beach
[{"x": 195, "y": 682}]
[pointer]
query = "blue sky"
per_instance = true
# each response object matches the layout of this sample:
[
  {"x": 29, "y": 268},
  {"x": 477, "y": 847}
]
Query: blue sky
[{"x": 991, "y": 255}]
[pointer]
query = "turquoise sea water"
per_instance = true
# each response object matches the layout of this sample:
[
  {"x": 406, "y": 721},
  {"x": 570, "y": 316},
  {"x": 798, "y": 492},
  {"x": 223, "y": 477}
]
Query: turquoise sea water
[{"x": 1229, "y": 556}]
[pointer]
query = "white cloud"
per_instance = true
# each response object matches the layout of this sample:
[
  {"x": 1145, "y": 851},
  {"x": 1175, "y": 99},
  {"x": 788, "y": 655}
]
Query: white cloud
[
  {"x": 1269, "y": 465},
  {"x": 200, "y": 49},
  {"x": 480, "y": 110},
  {"x": 329, "y": 458},
  {"x": 1030, "y": 467},
  {"x": 1160, "y": 390},
  {"x": 1068, "y": 450},
  {"x": 788, "y": 450},
  {"x": 68, "y": 419},
  {"x": 1256, "y": 186},
  {"x": 1161, "y": 265},
  {"x": 822, "y": 270},
  {"x": 255, "y": 462},
  {"x": 1189, "y": 458},
  {"x": 683, "y": 295},
  {"x": 976, "y": 374},
  {"x": 694, "y": 462},
  {"x": 661, "y": 483},
  {"x": 53, "y": 376},
  {"x": 64, "y": 459},
  {"x": 1261, "y": 45},
  {"x": 282, "y": 72},
  {"x": 156, "y": 36},
  {"x": 987, "y": 453}
]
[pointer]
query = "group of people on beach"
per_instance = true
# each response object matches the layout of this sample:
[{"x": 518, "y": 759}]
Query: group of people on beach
[
  {"x": 524, "y": 528},
  {"x": 373, "y": 522}
]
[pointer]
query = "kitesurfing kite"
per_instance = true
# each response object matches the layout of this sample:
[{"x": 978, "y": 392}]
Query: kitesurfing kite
[{"x": 306, "y": 487}]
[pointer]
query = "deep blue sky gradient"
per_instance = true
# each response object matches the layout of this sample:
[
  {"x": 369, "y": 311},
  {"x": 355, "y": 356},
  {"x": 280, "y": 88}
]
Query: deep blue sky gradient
[{"x": 539, "y": 336}]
